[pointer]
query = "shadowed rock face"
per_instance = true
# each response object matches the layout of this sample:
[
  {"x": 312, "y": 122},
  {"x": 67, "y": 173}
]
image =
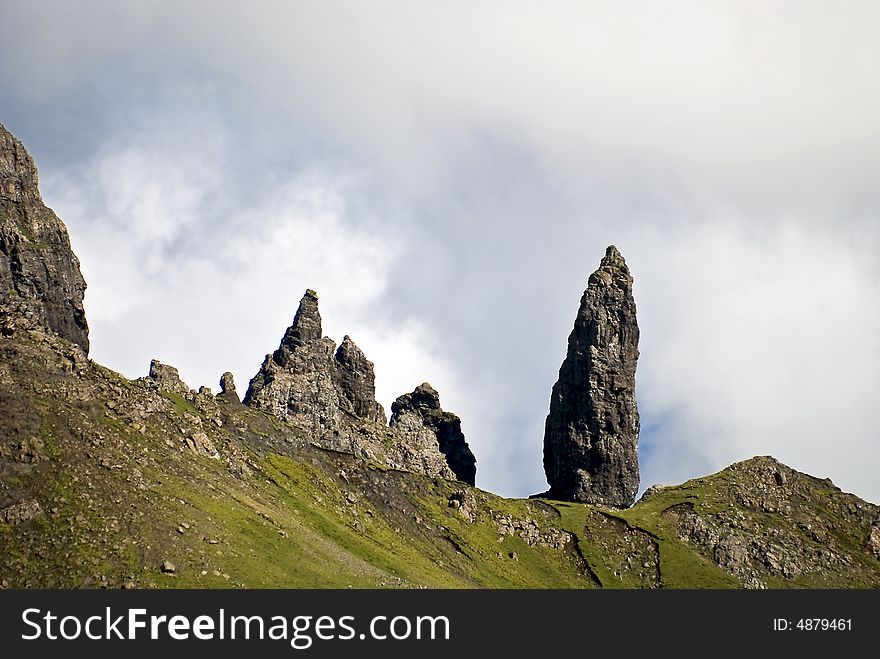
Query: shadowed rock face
[
  {"x": 591, "y": 433},
  {"x": 357, "y": 383},
  {"x": 41, "y": 285},
  {"x": 419, "y": 413}
]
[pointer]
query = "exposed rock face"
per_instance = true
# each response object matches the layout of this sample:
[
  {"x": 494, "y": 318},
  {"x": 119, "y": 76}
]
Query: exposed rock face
[
  {"x": 331, "y": 394},
  {"x": 300, "y": 380},
  {"x": 20, "y": 512},
  {"x": 592, "y": 430},
  {"x": 41, "y": 285},
  {"x": 420, "y": 421},
  {"x": 167, "y": 378},
  {"x": 874, "y": 539},
  {"x": 227, "y": 389},
  {"x": 356, "y": 382}
]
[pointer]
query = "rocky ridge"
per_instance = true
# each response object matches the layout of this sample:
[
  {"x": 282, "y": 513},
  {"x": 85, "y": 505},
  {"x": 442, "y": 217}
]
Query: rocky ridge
[
  {"x": 330, "y": 393},
  {"x": 114, "y": 483}
]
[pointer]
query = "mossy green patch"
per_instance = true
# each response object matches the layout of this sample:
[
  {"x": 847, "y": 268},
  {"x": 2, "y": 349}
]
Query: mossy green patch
[{"x": 181, "y": 405}]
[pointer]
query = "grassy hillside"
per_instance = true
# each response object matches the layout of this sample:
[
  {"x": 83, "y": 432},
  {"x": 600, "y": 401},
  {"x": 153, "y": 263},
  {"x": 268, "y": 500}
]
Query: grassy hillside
[{"x": 106, "y": 482}]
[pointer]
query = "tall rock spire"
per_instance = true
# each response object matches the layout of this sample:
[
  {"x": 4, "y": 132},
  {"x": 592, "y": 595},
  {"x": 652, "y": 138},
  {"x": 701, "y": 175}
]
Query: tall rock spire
[
  {"x": 592, "y": 430},
  {"x": 306, "y": 325},
  {"x": 41, "y": 284}
]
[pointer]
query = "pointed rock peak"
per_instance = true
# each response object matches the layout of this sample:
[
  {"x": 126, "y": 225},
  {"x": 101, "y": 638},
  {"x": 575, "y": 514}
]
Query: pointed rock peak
[
  {"x": 612, "y": 270},
  {"x": 591, "y": 433},
  {"x": 306, "y": 325},
  {"x": 613, "y": 258},
  {"x": 346, "y": 348},
  {"x": 423, "y": 397},
  {"x": 356, "y": 382},
  {"x": 18, "y": 174},
  {"x": 426, "y": 396}
]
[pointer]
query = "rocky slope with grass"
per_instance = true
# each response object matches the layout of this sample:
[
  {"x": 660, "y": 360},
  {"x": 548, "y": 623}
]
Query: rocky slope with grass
[{"x": 116, "y": 483}]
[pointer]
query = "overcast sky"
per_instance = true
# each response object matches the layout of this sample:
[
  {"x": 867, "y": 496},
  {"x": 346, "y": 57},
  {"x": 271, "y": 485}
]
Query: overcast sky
[{"x": 447, "y": 175}]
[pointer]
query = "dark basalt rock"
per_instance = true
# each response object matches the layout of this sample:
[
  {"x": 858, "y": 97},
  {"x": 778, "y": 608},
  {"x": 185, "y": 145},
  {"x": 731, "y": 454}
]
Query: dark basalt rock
[
  {"x": 422, "y": 409},
  {"x": 592, "y": 430},
  {"x": 41, "y": 286}
]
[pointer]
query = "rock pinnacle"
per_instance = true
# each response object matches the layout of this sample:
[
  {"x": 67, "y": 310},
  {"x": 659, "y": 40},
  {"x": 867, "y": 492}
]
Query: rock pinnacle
[{"x": 591, "y": 433}]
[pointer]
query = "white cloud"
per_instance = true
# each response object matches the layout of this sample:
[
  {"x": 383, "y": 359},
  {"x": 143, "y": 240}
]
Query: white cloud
[
  {"x": 758, "y": 343},
  {"x": 209, "y": 287},
  {"x": 447, "y": 175}
]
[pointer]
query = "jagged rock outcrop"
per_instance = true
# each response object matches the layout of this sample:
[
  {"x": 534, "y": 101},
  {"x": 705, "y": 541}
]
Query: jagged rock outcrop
[
  {"x": 331, "y": 394},
  {"x": 356, "y": 382},
  {"x": 419, "y": 421},
  {"x": 592, "y": 430},
  {"x": 300, "y": 380},
  {"x": 227, "y": 389},
  {"x": 166, "y": 378},
  {"x": 41, "y": 286}
]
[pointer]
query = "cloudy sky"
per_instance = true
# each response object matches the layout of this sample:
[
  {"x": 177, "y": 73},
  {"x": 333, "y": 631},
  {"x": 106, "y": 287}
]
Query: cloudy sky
[{"x": 447, "y": 175}]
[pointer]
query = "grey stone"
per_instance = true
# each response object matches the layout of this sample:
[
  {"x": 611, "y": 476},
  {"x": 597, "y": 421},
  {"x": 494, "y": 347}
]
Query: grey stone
[
  {"x": 41, "y": 286},
  {"x": 874, "y": 540},
  {"x": 199, "y": 442},
  {"x": 356, "y": 383},
  {"x": 166, "y": 378},
  {"x": 418, "y": 418},
  {"x": 591, "y": 433},
  {"x": 651, "y": 491},
  {"x": 330, "y": 393},
  {"x": 227, "y": 388},
  {"x": 306, "y": 327},
  {"x": 299, "y": 383},
  {"x": 22, "y": 511}
]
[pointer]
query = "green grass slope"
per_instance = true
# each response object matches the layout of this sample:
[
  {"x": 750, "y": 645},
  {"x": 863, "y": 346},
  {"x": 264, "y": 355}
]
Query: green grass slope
[{"x": 106, "y": 482}]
